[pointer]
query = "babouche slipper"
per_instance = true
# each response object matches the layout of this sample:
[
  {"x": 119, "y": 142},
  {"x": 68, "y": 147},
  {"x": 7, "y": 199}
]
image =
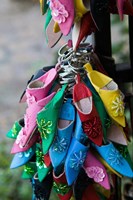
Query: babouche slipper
[
  {"x": 82, "y": 29},
  {"x": 43, "y": 6},
  {"x": 96, "y": 171},
  {"x": 116, "y": 134},
  {"x": 61, "y": 187},
  {"x": 113, "y": 160},
  {"x": 37, "y": 98},
  {"x": 47, "y": 119},
  {"x": 22, "y": 158},
  {"x": 90, "y": 193},
  {"x": 104, "y": 117},
  {"x": 59, "y": 147},
  {"x": 35, "y": 76},
  {"x": 78, "y": 131},
  {"x": 63, "y": 13},
  {"x": 75, "y": 159},
  {"x": 83, "y": 101},
  {"x": 42, "y": 169},
  {"x": 14, "y": 131},
  {"x": 42, "y": 190},
  {"x": 123, "y": 149},
  {"x": 109, "y": 92},
  {"x": 29, "y": 170}
]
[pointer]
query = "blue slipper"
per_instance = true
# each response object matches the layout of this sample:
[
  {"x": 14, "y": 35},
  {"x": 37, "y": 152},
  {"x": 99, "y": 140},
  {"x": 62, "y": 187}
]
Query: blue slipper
[
  {"x": 59, "y": 148},
  {"x": 75, "y": 159},
  {"x": 113, "y": 160},
  {"x": 78, "y": 132},
  {"x": 22, "y": 158}
]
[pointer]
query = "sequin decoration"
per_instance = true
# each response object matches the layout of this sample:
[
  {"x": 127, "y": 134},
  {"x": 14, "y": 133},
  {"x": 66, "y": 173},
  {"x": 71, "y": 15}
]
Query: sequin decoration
[
  {"x": 59, "y": 13},
  {"x": 60, "y": 145},
  {"x": 40, "y": 160},
  {"x": 20, "y": 140},
  {"x": 14, "y": 131},
  {"x": 77, "y": 160},
  {"x": 114, "y": 157},
  {"x": 92, "y": 127},
  {"x": 30, "y": 99},
  {"x": 117, "y": 106},
  {"x": 61, "y": 188},
  {"x": 44, "y": 128},
  {"x": 25, "y": 153},
  {"x": 123, "y": 150},
  {"x": 96, "y": 173},
  {"x": 29, "y": 170}
]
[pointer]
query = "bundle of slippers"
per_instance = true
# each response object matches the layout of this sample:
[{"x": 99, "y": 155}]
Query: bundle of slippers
[
  {"x": 79, "y": 17},
  {"x": 73, "y": 136},
  {"x": 65, "y": 136}
]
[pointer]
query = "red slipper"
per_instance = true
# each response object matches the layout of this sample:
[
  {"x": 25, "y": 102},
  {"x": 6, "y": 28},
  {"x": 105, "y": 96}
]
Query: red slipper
[
  {"x": 90, "y": 194},
  {"x": 82, "y": 29},
  {"x": 61, "y": 187},
  {"x": 82, "y": 98}
]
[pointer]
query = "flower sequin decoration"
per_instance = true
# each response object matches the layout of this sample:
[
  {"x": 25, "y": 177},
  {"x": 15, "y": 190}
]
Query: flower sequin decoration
[
  {"x": 77, "y": 160},
  {"x": 25, "y": 153},
  {"x": 44, "y": 128},
  {"x": 123, "y": 150},
  {"x": 29, "y": 170},
  {"x": 20, "y": 140},
  {"x": 60, "y": 145},
  {"x": 40, "y": 159},
  {"x": 117, "y": 106},
  {"x": 59, "y": 13},
  {"x": 115, "y": 157},
  {"x": 14, "y": 131},
  {"x": 61, "y": 188},
  {"x": 92, "y": 127},
  {"x": 30, "y": 99},
  {"x": 96, "y": 173}
]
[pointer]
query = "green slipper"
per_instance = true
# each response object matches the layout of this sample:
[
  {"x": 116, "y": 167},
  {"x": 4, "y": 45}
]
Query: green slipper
[
  {"x": 47, "y": 119},
  {"x": 13, "y": 132},
  {"x": 123, "y": 149},
  {"x": 43, "y": 6},
  {"x": 47, "y": 21},
  {"x": 42, "y": 169},
  {"x": 29, "y": 170}
]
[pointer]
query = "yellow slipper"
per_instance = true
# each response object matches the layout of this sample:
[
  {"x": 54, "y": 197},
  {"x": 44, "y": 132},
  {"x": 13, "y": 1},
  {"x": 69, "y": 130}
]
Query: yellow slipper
[
  {"x": 81, "y": 7},
  {"x": 56, "y": 28},
  {"x": 109, "y": 93}
]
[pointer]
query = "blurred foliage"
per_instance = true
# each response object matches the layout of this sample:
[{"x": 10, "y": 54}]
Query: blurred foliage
[
  {"x": 120, "y": 39},
  {"x": 11, "y": 185}
]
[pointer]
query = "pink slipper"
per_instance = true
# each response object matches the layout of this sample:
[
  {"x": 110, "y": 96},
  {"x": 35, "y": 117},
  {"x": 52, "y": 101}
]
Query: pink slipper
[
  {"x": 63, "y": 14},
  {"x": 116, "y": 134},
  {"x": 39, "y": 88},
  {"x": 37, "y": 98},
  {"x": 27, "y": 132},
  {"x": 52, "y": 38},
  {"x": 95, "y": 170}
]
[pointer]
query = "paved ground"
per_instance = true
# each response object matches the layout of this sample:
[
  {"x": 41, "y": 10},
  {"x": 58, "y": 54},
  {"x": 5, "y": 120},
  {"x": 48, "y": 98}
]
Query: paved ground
[{"x": 22, "y": 50}]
